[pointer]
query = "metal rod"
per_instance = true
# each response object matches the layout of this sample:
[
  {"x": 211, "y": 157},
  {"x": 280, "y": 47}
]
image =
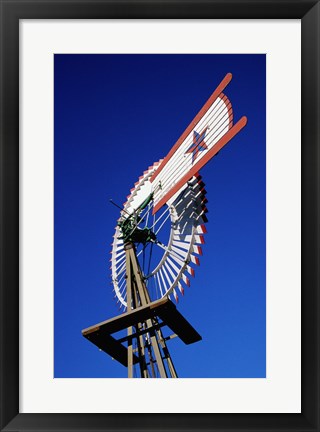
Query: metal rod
[{"x": 121, "y": 208}]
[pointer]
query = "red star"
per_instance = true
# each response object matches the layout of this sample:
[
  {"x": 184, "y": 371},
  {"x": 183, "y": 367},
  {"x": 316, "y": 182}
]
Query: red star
[{"x": 198, "y": 144}]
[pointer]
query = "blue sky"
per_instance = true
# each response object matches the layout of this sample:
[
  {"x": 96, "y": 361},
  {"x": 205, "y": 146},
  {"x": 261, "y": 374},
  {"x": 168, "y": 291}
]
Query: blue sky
[{"x": 114, "y": 115}]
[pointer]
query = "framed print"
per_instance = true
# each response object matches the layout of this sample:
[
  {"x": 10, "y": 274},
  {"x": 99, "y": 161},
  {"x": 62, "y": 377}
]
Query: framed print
[{"x": 132, "y": 76}]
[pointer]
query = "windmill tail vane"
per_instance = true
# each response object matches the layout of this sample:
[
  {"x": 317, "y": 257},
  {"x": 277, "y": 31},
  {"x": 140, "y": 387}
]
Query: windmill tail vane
[
  {"x": 209, "y": 131},
  {"x": 158, "y": 243}
]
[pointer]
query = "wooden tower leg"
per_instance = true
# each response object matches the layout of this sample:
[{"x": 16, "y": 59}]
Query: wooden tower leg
[
  {"x": 137, "y": 295},
  {"x": 129, "y": 305},
  {"x": 142, "y": 357},
  {"x": 165, "y": 350}
]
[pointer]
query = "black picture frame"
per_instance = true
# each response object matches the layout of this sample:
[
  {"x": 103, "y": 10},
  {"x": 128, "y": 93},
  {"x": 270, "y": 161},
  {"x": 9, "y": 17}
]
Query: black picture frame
[{"x": 11, "y": 12}]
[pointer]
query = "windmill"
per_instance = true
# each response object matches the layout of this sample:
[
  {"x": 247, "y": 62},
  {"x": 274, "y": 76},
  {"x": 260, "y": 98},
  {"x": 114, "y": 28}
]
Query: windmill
[{"x": 157, "y": 243}]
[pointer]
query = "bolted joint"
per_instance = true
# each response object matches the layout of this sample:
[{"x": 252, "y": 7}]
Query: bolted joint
[{"x": 128, "y": 246}]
